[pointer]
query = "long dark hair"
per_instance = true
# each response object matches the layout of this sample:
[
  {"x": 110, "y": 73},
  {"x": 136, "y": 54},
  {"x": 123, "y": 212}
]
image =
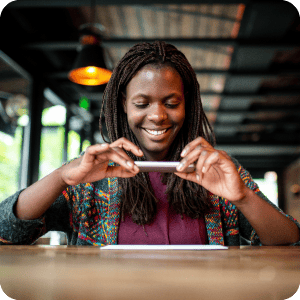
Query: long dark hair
[{"x": 138, "y": 199}]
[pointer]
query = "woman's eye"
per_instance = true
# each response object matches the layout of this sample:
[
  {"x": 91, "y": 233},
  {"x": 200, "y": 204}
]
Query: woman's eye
[
  {"x": 172, "y": 105},
  {"x": 140, "y": 105}
]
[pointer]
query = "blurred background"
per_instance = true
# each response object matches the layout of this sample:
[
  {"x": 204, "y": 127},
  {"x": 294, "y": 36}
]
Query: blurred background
[{"x": 246, "y": 55}]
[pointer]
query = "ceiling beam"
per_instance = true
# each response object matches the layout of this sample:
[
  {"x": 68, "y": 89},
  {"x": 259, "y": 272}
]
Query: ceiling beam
[
  {"x": 186, "y": 42},
  {"x": 240, "y": 74},
  {"x": 255, "y": 116},
  {"x": 186, "y": 12},
  {"x": 78, "y": 3},
  {"x": 266, "y": 110},
  {"x": 226, "y": 128},
  {"x": 15, "y": 66}
]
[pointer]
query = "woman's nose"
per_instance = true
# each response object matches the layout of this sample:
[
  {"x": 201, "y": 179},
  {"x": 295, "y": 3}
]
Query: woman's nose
[{"x": 157, "y": 114}]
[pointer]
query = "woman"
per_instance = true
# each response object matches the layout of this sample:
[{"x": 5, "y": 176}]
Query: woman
[{"x": 153, "y": 112}]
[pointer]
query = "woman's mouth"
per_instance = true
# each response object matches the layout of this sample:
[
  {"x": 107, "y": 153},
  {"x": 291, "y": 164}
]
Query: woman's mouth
[{"x": 156, "y": 132}]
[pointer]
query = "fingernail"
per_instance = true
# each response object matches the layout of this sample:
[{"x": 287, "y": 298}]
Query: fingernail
[
  {"x": 102, "y": 145},
  {"x": 203, "y": 170},
  {"x": 180, "y": 166},
  {"x": 129, "y": 163},
  {"x": 183, "y": 153},
  {"x": 198, "y": 177},
  {"x": 204, "y": 153}
]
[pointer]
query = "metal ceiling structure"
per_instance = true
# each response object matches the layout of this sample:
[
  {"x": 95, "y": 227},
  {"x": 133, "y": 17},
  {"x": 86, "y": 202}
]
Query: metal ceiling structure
[{"x": 246, "y": 55}]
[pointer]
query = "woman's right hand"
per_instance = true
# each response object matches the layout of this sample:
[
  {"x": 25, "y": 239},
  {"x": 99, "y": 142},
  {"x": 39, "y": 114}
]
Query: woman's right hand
[{"x": 93, "y": 165}]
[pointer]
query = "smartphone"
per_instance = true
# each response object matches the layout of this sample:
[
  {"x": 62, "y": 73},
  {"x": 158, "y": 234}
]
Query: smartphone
[{"x": 162, "y": 166}]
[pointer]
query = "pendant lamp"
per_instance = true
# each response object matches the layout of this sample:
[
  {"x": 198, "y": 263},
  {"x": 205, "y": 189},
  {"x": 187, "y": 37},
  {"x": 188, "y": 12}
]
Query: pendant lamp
[{"x": 89, "y": 67}]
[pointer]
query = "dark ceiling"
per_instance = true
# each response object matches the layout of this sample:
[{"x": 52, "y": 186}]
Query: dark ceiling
[{"x": 246, "y": 56}]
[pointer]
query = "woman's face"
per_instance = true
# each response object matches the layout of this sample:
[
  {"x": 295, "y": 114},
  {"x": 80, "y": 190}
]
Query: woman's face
[{"x": 155, "y": 108}]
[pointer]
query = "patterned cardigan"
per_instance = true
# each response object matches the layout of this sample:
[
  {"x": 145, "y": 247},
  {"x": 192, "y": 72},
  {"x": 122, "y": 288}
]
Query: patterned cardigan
[{"x": 89, "y": 214}]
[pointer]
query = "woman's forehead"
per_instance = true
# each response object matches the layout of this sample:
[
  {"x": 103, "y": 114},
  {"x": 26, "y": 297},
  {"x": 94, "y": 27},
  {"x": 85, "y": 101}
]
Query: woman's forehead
[
  {"x": 150, "y": 72},
  {"x": 151, "y": 77}
]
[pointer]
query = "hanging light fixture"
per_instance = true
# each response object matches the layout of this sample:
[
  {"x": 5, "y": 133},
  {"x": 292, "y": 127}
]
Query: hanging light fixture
[{"x": 89, "y": 67}]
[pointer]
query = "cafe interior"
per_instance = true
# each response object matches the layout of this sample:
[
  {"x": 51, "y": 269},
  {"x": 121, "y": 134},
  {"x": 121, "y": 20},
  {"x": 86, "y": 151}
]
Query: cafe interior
[{"x": 56, "y": 57}]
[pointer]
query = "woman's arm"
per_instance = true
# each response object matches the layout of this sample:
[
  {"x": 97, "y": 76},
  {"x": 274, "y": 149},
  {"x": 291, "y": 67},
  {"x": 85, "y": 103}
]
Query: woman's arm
[
  {"x": 34, "y": 201},
  {"x": 272, "y": 227},
  {"x": 217, "y": 173}
]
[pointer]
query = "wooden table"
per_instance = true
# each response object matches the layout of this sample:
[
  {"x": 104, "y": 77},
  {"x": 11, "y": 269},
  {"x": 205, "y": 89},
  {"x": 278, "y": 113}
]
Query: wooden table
[{"x": 69, "y": 272}]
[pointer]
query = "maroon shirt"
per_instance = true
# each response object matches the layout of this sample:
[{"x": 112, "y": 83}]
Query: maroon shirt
[{"x": 167, "y": 227}]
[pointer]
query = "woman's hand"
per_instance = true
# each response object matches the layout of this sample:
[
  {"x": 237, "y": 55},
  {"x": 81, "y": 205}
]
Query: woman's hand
[
  {"x": 93, "y": 165},
  {"x": 215, "y": 171}
]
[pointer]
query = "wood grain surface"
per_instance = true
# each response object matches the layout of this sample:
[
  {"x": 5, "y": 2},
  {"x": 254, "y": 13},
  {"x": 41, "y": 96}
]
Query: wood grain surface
[{"x": 69, "y": 272}]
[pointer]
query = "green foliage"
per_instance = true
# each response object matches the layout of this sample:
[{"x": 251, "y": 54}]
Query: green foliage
[
  {"x": 85, "y": 144},
  {"x": 73, "y": 144},
  {"x": 84, "y": 102},
  {"x": 51, "y": 152},
  {"x": 51, "y": 157},
  {"x": 52, "y": 147},
  {"x": 10, "y": 155}
]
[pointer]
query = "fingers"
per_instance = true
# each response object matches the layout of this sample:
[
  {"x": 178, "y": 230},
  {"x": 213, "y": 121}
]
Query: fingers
[
  {"x": 114, "y": 152},
  {"x": 92, "y": 151},
  {"x": 203, "y": 155},
  {"x": 120, "y": 157},
  {"x": 205, "y": 162},
  {"x": 205, "y": 159},
  {"x": 199, "y": 166},
  {"x": 124, "y": 173},
  {"x": 104, "y": 152},
  {"x": 209, "y": 161},
  {"x": 123, "y": 143},
  {"x": 193, "y": 151},
  {"x": 198, "y": 142},
  {"x": 190, "y": 158}
]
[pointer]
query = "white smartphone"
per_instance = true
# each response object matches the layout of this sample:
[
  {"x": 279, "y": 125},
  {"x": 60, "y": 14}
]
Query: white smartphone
[{"x": 161, "y": 166}]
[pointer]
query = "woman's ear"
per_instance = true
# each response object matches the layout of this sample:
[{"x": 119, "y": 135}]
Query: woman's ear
[{"x": 124, "y": 102}]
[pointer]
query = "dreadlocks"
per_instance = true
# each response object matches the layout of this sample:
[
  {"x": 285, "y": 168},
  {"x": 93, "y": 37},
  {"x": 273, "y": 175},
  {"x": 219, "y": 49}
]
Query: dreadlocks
[{"x": 138, "y": 199}]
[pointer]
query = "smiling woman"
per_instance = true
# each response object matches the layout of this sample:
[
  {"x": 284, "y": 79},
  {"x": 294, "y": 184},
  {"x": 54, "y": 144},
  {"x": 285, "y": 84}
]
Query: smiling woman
[
  {"x": 156, "y": 89},
  {"x": 155, "y": 108},
  {"x": 153, "y": 112}
]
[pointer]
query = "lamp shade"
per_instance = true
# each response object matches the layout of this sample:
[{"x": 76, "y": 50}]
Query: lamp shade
[{"x": 89, "y": 67}]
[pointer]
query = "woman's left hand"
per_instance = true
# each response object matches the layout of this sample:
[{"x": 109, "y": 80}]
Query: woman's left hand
[{"x": 215, "y": 171}]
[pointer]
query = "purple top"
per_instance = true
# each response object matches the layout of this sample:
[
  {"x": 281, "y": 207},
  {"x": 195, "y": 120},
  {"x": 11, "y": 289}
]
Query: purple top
[{"x": 167, "y": 227}]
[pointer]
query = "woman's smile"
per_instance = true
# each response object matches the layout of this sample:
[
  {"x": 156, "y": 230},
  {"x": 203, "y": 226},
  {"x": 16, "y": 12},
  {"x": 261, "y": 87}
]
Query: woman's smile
[
  {"x": 155, "y": 108},
  {"x": 158, "y": 132}
]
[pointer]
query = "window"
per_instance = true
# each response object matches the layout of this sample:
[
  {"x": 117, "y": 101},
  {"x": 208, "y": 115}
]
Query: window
[
  {"x": 14, "y": 90},
  {"x": 73, "y": 144},
  {"x": 52, "y": 139},
  {"x": 268, "y": 186},
  {"x": 10, "y": 160}
]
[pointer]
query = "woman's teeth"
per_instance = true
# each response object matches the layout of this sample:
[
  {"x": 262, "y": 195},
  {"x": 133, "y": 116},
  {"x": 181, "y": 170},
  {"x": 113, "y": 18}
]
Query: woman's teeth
[{"x": 154, "y": 132}]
